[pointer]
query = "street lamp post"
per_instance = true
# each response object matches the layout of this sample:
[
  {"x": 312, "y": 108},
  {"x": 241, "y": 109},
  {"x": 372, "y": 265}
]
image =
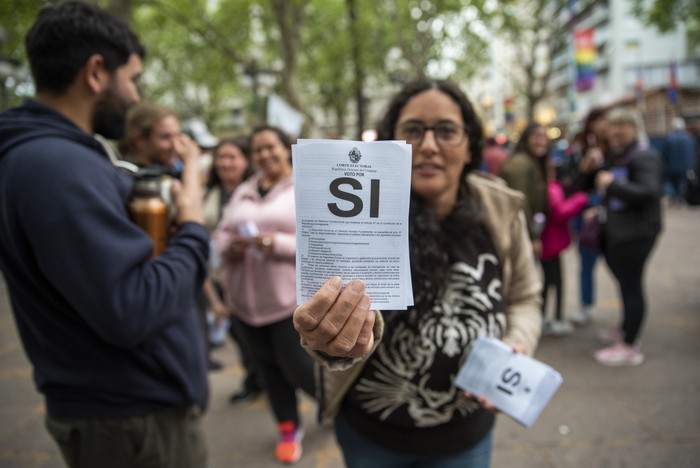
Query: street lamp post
[
  {"x": 261, "y": 79},
  {"x": 252, "y": 69}
]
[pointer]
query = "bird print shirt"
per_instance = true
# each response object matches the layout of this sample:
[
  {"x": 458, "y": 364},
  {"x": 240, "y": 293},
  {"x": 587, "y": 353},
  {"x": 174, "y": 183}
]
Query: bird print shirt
[{"x": 405, "y": 399}]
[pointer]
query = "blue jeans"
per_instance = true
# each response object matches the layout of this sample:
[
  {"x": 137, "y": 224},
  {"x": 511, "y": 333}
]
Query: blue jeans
[
  {"x": 359, "y": 452},
  {"x": 588, "y": 260}
]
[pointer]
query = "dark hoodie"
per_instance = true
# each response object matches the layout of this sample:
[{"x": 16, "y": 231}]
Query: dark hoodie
[{"x": 110, "y": 332}]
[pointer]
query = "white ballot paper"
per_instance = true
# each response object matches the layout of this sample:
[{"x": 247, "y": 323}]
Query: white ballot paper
[
  {"x": 352, "y": 201},
  {"x": 514, "y": 383}
]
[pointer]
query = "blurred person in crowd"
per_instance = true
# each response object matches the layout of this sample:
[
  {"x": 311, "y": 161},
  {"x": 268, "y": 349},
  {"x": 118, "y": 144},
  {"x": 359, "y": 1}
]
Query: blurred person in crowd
[
  {"x": 631, "y": 182},
  {"x": 111, "y": 332},
  {"x": 693, "y": 122},
  {"x": 556, "y": 237},
  {"x": 231, "y": 166},
  {"x": 256, "y": 240},
  {"x": 199, "y": 132},
  {"x": 678, "y": 153},
  {"x": 388, "y": 378},
  {"x": 526, "y": 172},
  {"x": 592, "y": 144},
  {"x": 151, "y": 133},
  {"x": 494, "y": 156}
]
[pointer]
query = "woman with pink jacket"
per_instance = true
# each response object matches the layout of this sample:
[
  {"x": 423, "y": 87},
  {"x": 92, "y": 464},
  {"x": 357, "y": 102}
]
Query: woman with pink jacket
[
  {"x": 256, "y": 239},
  {"x": 555, "y": 238}
]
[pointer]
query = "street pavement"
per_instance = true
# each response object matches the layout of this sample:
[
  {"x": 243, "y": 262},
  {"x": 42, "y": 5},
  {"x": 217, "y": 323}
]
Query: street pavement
[{"x": 647, "y": 416}]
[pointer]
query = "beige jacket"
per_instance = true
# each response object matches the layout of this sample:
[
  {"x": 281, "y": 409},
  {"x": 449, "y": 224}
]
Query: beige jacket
[{"x": 505, "y": 222}]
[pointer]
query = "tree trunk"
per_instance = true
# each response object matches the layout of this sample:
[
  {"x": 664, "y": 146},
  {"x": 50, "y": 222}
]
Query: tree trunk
[
  {"x": 289, "y": 16},
  {"x": 359, "y": 81}
]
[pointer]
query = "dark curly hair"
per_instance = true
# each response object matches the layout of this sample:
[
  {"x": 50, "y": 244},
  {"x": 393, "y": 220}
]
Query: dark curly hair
[{"x": 432, "y": 241}]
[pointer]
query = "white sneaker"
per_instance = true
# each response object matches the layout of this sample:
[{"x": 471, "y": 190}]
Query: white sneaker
[
  {"x": 547, "y": 326},
  {"x": 619, "y": 354},
  {"x": 583, "y": 317},
  {"x": 560, "y": 328}
]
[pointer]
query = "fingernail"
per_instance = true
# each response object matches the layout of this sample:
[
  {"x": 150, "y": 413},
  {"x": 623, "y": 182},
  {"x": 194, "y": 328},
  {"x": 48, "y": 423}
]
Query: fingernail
[
  {"x": 365, "y": 302},
  {"x": 357, "y": 286},
  {"x": 335, "y": 283}
]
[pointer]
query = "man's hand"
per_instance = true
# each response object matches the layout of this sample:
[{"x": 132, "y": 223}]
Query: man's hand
[
  {"x": 186, "y": 149},
  {"x": 336, "y": 321},
  {"x": 188, "y": 194}
]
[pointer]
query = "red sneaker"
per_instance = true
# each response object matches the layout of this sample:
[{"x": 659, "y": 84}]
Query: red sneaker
[{"x": 289, "y": 449}]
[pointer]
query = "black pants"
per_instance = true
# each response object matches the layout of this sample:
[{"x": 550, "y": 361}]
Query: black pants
[
  {"x": 553, "y": 278},
  {"x": 253, "y": 380},
  {"x": 283, "y": 365},
  {"x": 626, "y": 262}
]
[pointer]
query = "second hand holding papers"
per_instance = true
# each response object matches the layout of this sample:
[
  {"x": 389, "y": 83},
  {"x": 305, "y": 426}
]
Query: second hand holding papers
[{"x": 352, "y": 202}]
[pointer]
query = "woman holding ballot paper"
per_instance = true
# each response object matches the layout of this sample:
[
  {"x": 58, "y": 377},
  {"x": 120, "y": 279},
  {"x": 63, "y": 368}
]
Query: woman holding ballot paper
[
  {"x": 388, "y": 378},
  {"x": 256, "y": 239}
]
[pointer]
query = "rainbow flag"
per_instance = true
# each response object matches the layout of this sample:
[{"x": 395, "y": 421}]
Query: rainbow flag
[
  {"x": 585, "y": 54},
  {"x": 508, "y": 109}
]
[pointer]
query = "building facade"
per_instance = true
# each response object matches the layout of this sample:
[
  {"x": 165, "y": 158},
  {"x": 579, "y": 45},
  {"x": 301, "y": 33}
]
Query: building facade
[{"x": 632, "y": 62}]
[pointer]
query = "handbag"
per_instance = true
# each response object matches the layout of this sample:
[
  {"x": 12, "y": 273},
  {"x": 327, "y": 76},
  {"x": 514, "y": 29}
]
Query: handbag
[
  {"x": 692, "y": 187},
  {"x": 589, "y": 236}
]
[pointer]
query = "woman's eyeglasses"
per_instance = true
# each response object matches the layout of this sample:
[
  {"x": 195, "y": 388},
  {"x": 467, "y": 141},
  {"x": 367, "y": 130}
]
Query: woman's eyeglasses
[{"x": 447, "y": 134}]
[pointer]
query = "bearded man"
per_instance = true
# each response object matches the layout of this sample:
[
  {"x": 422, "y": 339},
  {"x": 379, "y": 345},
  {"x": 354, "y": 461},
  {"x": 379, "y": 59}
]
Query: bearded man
[{"x": 111, "y": 333}]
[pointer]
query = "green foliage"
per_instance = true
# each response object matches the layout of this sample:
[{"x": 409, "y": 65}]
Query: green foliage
[
  {"x": 201, "y": 54},
  {"x": 667, "y": 14},
  {"x": 193, "y": 55},
  {"x": 16, "y": 17}
]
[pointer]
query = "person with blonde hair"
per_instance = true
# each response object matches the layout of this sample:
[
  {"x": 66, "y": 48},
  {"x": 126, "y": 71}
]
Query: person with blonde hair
[
  {"x": 631, "y": 182},
  {"x": 151, "y": 132}
]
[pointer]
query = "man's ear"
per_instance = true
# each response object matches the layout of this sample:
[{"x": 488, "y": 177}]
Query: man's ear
[{"x": 96, "y": 74}]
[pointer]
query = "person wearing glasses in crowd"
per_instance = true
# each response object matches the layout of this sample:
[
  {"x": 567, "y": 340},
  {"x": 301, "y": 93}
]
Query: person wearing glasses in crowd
[{"x": 388, "y": 378}]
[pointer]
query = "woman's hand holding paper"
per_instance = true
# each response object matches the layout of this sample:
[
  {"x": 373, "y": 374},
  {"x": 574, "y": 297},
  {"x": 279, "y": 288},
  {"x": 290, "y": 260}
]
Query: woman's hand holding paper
[{"x": 337, "y": 321}]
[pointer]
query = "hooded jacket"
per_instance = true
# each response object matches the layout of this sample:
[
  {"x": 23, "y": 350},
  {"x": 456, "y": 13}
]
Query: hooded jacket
[{"x": 110, "y": 332}]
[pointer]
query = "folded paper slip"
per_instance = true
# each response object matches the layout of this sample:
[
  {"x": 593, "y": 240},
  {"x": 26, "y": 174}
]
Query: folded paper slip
[{"x": 516, "y": 384}]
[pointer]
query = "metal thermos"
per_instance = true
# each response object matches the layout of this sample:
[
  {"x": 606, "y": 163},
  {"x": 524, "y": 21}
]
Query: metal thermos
[{"x": 149, "y": 210}]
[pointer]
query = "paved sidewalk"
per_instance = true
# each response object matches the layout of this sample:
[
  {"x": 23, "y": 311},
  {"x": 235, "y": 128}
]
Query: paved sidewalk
[{"x": 645, "y": 417}]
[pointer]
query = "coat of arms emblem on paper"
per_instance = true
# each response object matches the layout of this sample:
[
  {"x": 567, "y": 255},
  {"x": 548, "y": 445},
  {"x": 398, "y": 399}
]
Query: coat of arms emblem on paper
[{"x": 355, "y": 155}]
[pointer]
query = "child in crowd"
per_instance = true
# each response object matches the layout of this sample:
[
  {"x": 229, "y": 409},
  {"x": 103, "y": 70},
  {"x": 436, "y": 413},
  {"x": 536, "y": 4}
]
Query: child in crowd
[{"x": 555, "y": 238}]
